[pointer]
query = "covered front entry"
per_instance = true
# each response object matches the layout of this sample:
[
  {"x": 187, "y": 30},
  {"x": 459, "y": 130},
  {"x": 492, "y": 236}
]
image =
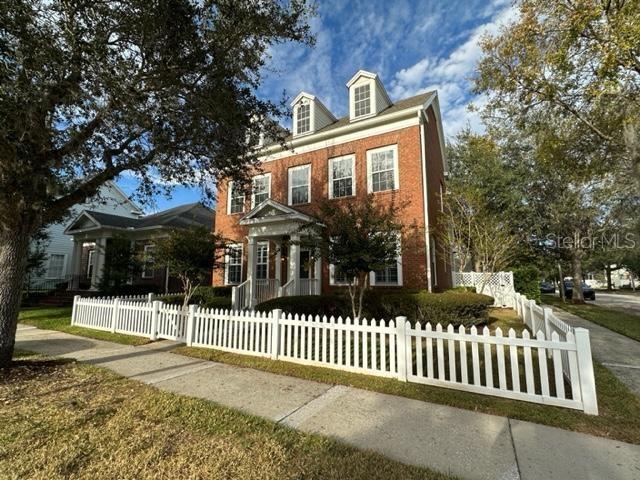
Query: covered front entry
[{"x": 296, "y": 270}]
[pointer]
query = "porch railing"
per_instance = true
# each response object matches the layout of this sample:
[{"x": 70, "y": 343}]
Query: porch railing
[
  {"x": 240, "y": 296},
  {"x": 288, "y": 289},
  {"x": 308, "y": 286},
  {"x": 266, "y": 289}
]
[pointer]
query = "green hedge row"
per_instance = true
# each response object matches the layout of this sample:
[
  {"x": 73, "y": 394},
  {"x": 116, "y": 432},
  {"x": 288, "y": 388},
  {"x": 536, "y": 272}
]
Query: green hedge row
[
  {"x": 206, "y": 297},
  {"x": 451, "y": 307}
]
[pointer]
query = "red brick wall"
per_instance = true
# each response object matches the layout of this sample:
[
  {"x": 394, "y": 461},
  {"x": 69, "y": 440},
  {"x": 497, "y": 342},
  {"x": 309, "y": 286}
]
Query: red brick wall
[{"x": 409, "y": 193}]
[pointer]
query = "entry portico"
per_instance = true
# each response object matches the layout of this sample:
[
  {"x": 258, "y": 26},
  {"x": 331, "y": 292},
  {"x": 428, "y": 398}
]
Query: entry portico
[{"x": 296, "y": 272}]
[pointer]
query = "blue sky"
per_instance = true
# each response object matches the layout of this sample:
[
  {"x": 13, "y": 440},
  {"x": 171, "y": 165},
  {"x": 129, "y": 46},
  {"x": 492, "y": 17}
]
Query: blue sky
[{"x": 413, "y": 45}]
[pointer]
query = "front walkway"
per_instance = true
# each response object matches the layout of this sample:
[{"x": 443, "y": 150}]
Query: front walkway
[
  {"x": 618, "y": 353},
  {"x": 464, "y": 443}
]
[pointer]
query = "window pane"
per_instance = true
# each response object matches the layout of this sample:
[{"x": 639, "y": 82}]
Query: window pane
[
  {"x": 234, "y": 264},
  {"x": 299, "y": 195},
  {"x": 388, "y": 275},
  {"x": 300, "y": 176},
  {"x": 56, "y": 266},
  {"x": 362, "y": 97},
  {"x": 299, "y": 181},
  {"x": 262, "y": 262},
  {"x": 342, "y": 177},
  {"x": 382, "y": 171},
  {"x": 237, "y": 200},
  {"x": 304, "y": 118}
]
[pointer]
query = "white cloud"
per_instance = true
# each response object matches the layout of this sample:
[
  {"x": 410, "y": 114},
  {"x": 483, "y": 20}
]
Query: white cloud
[{"x": 451, "y": 75}]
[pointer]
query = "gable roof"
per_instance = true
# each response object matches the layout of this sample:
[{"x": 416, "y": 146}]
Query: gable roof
[
  {"x": 183, "y": 216},
  {"x": 270, "y": 211}
]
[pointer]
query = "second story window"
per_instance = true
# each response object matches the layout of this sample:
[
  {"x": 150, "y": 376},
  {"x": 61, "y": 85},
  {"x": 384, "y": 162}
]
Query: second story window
[
  {"x": 303, "y": 119},
  {"x": 382, "y": 169},
  {"x": 235, "y": 202},
  {"x": 299, "y": 184},
  {"x": 261, "y": 189},
  {"x": 342, "y": 177},
  {"x": 362, "y": 100}
]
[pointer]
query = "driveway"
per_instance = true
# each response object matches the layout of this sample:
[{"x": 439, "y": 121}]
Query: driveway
[{"x": 627, "y": 303}]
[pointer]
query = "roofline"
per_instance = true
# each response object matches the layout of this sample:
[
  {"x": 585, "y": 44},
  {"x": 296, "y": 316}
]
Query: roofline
[
  {"x": 435, "y": 103},
  {"x": 292, "y": 215},
  {"x": 349, "y": 128},
  {"x": 373, "y": 76},
  {"x": 125, "y": 196},
  {"x": 82, "y": 213},
  {"x": 314, "y": 99},
  {"x": 300, "y": 96}
]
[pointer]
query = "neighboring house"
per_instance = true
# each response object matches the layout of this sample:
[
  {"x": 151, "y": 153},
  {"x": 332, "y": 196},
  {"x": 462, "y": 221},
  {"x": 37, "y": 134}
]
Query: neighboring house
[
  {"x": 388, "y": 149},
  {"x": 92, "y": 231},
  {"x": 59, "y": 247}
]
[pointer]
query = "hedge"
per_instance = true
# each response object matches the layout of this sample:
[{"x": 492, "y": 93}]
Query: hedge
[
  {"x": 206, "y": 297},
  {"x": 451, "y": 307},
  {"x": 526, "y": 280}
]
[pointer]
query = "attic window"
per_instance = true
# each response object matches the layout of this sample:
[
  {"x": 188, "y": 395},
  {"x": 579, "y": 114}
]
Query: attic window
[
  {"x": 303, "y": 124},
  {"x": 362, "y": 100}
]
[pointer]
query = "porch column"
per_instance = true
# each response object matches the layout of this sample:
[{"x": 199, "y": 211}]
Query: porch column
[
  {"x": 278, "y": 266},
  {"x": 98, "y": 259},
  {"x": 294, "y": 261},
  {"x": 76, "y": 265},
  {"x": 317, "y": 274},
  {"x": 252, "y": 255}
]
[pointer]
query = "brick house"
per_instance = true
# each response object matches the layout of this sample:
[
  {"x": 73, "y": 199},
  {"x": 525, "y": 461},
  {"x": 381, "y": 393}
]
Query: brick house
[{"x": 390, "y": 149}]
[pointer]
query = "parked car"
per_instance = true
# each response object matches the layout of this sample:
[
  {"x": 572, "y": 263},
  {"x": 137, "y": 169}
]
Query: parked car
[
  {"x": 587, "y": 292},
  {"x": 547, "y": 287}
]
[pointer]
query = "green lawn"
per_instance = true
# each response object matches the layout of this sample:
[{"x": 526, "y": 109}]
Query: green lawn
[
  {"x": 619, "y": 408},
  {"x": 59, "y": 318},
  {"x": 624, "y": 323},
  {"x": 66, "y": 420}
]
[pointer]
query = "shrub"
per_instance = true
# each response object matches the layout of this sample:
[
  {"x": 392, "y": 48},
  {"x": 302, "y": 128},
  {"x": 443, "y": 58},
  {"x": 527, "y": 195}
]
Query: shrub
[
  {"x": 206, "y": 297},
  {"x": 309, "y": 305},
  {"x": 526, "y": 280},
  {"x": 456, "y": 308},
  {"x": 461, "y": 288}
]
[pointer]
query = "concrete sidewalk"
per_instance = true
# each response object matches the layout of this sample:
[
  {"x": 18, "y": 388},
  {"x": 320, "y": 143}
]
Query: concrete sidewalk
[
  {"x": 467, "y": 444},
  {"x": 618, "y": 353}
]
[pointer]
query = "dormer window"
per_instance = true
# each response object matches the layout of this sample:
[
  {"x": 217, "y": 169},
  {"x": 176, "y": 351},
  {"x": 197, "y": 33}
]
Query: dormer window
[
  {"x": 303, "y": 124},
  {"x": 362, "y": 100}
]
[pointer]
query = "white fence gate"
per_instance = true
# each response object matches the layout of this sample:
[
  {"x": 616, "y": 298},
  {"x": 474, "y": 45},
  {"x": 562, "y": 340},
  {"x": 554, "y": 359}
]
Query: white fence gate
[
  {"x": 498, "y": 285},
  {"x": 554, "y": 367}
]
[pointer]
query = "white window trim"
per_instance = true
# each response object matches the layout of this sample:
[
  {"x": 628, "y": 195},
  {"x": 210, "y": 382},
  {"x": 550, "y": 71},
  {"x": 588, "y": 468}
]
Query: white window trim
[
  {"x": 253, "y": 195},
  {"x": 230, "y": 186},
  {"x": 353, "y": 175},
  {"x": 434, "y": 261},
  {"x": 312, "y": 114},
  {"x": 372, "y": 101},
  {"x": 91, "y": 257},
  {"x": 396, "y": 173},
  {"x": 332, "y": 277},
  {"x": 290, "y": 186},
  {"x": 145, "y": 274},
  {"x": 372, "y": 275},
  {"x": 261, "y": 244},
  {"x": 64, "y": 265},
  {"x": 226, "y": 263}
]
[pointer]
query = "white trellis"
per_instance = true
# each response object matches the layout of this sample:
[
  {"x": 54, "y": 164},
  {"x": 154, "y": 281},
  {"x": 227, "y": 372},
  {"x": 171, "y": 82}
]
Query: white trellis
[{"x": 498, "y": 285}]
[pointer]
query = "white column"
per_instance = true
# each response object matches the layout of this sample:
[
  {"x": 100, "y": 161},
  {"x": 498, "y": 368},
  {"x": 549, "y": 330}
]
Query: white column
[
  {"x": 317, "y": 266},
  {"x": 294, "y": 261},
  {"x": 252, "y": 255},
  {"x": 278, "y": 266},
  {"x": 98, "y": 265},
  {"x": 76, "y": 264}
]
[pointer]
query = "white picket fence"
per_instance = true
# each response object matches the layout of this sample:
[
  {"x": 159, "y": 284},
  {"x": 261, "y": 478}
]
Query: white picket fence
[{"x": 554, "y": 367}]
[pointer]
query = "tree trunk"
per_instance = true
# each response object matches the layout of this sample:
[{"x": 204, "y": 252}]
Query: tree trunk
[
  {"x": 14, "y": 246},
  {"x": 577, "y": 296},
  {"x": 607, "y": 269}
]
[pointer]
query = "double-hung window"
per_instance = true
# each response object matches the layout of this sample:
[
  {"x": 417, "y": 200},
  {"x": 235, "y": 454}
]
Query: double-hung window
[
  {"x": 391, "y": 275},
  {"x": 235, "y": 202},
  {"x": 233, "y": 264},
  {"x": 299, "y": 185},
  {"x": 261, "y": 189},
  {"x": 382, "y": 169},
  {"x": 56, "y": 265},
  {"x": 303, "y": 118},
  {"x": 362, "y": 100},
  {"x": 262, "y": 261},
  {"x": 342, "y": 177},
  {"x": 148, "y": 261}
]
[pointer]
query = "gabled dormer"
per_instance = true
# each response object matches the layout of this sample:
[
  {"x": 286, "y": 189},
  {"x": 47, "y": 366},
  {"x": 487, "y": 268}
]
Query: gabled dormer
[
  {"x": 367, "y": 96},
  {"x": 309, "y": 114}
]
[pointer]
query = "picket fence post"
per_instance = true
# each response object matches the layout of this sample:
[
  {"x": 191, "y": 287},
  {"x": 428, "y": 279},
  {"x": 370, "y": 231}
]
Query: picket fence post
[
  {"x": 150, "y": 297},
  {"x": 234, "y": 298},
  {"x": 401, "y": 347},
  {"x": 114, "y": 314},
  {"x": 275, "y": 333},
  {"x": 534, "y": 325},
  {"x": 190, "y": 320},
  {"x": 155, "y": 314},
  {"x": 585, "y": 371},
  {"x": 74, "y": 310},
  {"x": 546, "y": 311}
]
